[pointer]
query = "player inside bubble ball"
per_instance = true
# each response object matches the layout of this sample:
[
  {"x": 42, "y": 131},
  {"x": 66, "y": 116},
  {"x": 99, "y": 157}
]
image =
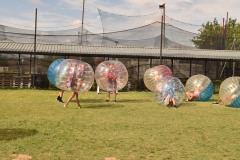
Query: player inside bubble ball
[
  {"x": 168, "y": 98},
  {"x": 112, "y": 83},
  {"x": 73, "y": 84},
  {"x": 227, "y": 98},
  {"x": 193, "y": 94}
]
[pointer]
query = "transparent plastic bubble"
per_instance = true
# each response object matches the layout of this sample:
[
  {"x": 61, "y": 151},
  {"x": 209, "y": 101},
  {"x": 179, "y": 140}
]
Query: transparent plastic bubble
[
  {"x": 153, "y": 75},
  {"x": 74, "y": 75},
  {"x": 51, "y": 71},
  {"x": 201, "y": 85},
  {"x": 170, "y": 86},
  {"x": 111, "y": 75},
  {"x": 230, "y": 91}
]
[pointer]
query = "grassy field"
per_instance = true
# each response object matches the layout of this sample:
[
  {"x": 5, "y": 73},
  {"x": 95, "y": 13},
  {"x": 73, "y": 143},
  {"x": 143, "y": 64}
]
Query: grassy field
[{"x": 136, "y": 127}]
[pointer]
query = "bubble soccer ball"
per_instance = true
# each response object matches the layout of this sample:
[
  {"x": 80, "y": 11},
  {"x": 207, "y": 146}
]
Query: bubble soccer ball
[
  {"x": 201, "y": 83},
  {"x": 153, "y": 75},
  {"x": 51, "y": 71},
  {"x": 172, "y": 86},
  {"x": 230, "y": 91},
  {"x": 74, "y": 75},
  {"x": 111, "y": 75}
]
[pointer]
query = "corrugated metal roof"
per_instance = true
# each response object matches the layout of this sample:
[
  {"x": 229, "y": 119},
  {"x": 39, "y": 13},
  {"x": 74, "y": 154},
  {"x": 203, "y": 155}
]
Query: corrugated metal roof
[{"x": 52, "y": 49}]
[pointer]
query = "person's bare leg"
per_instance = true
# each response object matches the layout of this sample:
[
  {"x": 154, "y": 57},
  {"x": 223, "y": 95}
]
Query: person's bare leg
[
  {"x": 167, "y": 100},
  {"x": 174, "y": 102},
  {"x": 189, "y": 95},
  {"x": 61, "y": 93},
  {"x": 115, "y": 96},
  {"x": 78, "y": 102},
  {"x": 69, "y": 99},
  {"x": 108, "y": 96}
]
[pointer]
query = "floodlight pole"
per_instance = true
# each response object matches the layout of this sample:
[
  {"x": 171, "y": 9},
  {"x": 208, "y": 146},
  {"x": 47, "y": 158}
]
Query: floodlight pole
[
  {"x": 35, "y": 48},
  {"x": 82, "y": 19},
  {"x": 161, "y": 41},
  {"x": 163, "y": 6}
]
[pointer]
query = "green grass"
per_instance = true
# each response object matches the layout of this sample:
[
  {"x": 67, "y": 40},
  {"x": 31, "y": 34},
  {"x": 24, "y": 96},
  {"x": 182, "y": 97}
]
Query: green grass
[{"x": 134, "y": 128}]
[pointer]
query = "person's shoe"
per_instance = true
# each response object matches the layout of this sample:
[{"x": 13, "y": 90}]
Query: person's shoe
[
  {"x": 107, "y": 100},
  {"x": 58, "y": 98},
  {"x": 174, "y": 106},
  {"x": 115, "y": 100},
  {"x": 79, "y": 106},
  {"x": 186, "y": 100},
  {"x": 215, "y": 103}
]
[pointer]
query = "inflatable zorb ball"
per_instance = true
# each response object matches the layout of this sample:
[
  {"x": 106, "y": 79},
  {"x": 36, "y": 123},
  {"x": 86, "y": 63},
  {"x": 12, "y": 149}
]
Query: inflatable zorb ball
[
  {"x": 201, "y": 83},
  {"x": 170, "y": 86},
  {"x": 52, "y": 70},
  {"x": 153, "y": 75},
  {"x": 111, "y": 75},
  {"x": 74, "y": 75},
  {"x": 230, "y": 92}
]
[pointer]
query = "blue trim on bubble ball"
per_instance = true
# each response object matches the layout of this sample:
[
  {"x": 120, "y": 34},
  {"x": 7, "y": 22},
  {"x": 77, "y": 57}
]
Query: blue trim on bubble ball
[
  {"x": 51, "y": 75},
  {"x": 235, "y": 103},
  {"x": 206, "y": 93}
]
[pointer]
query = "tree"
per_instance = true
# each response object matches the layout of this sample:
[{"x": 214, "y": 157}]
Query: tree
[{"x": 213, "y": 36}]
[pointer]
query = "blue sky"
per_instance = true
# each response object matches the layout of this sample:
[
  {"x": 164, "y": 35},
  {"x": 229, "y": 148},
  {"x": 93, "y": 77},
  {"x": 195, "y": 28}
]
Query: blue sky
[{"x": 66, "y": 14}]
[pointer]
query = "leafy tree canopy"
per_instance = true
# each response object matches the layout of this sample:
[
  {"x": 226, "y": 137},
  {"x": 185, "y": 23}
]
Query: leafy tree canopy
[{"x": 213, "y": 36}]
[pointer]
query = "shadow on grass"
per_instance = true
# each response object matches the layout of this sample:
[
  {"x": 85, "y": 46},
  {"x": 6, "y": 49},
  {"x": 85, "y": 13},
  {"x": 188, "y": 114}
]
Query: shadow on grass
[
  {"x": 135, "y": 100},
  {"x": 89, "y": 100},
  {"x": 110, "y": 105},
  {"x": 92, "y": 100},
  {"x": 10, "y": 134},
  {"x": 213, "y": 100},
  {"x": 188, "y": 104}
]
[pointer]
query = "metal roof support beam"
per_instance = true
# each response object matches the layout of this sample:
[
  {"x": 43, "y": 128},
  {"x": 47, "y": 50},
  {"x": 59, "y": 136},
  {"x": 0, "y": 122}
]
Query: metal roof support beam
[
  {"x": 138, "y": 79},
  {"x": 205, "y": 67},
  {"x": 229, "y": 67},
  {"x": 19, "y": 69},
  {"x": 217, "y": 68},
  {"x": 30, "y": 64},
  {"x": 172, "y": 64},
  {"x": 190, "y": 68},
  {"x": 234, "y": 64}
]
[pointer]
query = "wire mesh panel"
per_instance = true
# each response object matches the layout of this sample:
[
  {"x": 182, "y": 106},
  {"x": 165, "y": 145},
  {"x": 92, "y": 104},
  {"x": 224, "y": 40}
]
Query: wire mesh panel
[
  {"x": 144, "y": 31},
  {"x": 9, "y": 63},
  {"x": 141, "y": 31},
  {"x": 181, "y": 68},
  {"x": 211, "y": 69},
  {"x": 198, "y": 67}
]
